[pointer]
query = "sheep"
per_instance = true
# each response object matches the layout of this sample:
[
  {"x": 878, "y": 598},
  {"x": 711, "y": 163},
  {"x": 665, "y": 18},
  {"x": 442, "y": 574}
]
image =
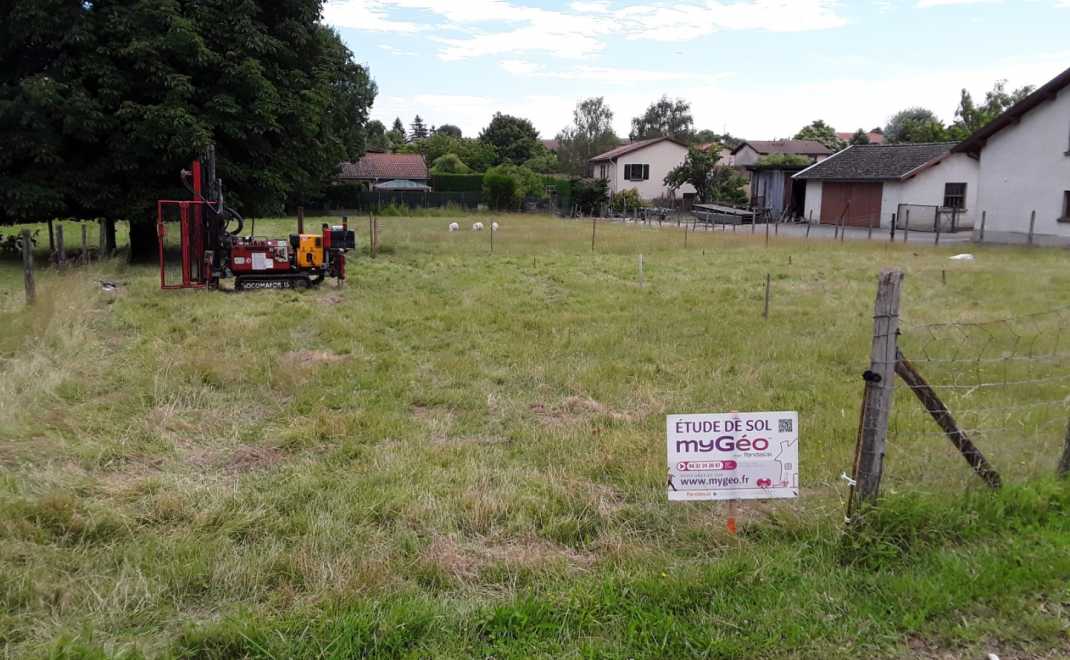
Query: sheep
[
  {"x": 477, "y": 226},
  {"x": 455, "y": 227},
  {"x": 494, "y": 226}
]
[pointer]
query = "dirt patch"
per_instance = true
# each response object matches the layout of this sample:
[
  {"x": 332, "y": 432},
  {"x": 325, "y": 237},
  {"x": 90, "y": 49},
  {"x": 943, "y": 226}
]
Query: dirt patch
[
  {"x": 331, "y": 299},
  {"x": 247, "y": 458},
  {"x": 309, "y": 358},
  {"x": 464, "y": 560},
  {"x": 575, "y": 409}
]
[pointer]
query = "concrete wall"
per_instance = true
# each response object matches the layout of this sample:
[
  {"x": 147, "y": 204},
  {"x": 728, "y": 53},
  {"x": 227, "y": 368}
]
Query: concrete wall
[
  {"x": 661, "y": 157},
  {"x": 1025, "y": 167}
]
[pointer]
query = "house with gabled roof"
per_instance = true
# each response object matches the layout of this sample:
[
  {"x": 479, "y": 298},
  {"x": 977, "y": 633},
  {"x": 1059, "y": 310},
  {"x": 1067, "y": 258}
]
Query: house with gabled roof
[
  {"x": 642, "y": 165},
  {"x": 864, "y": 185},
  {"x": 1023, "y": 158},
  {"x": 751, "y": 151},
  {"x": 374, "y": 168}
]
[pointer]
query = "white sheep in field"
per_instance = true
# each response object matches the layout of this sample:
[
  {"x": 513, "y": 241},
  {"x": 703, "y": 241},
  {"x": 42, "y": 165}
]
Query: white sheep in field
[
  {"x": 478, "y": 226},
  {"x": 494, "y": 226},
  {"x": 455, "y": 227}
]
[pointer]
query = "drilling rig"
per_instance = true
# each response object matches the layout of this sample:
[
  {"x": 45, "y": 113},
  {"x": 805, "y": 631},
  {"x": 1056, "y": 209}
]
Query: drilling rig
[{"x": 212, "y": 248}]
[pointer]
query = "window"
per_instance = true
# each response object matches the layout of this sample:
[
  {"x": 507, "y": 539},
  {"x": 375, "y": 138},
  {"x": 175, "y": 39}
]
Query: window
[
  {"x": 1066, "y": 207},
  {"x": 955, "y": 195},
  {"x": 602, "y": 171},
  {"x": 636, "y": 172}
]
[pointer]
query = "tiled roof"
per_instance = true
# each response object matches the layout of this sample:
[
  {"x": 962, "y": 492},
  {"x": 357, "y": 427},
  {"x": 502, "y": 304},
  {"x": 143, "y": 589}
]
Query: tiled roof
[
  {"x": 386, "y": 166},
  {"x": 875, "y": 162},
  {"x": 551, "y": 145},
  {"x": 613, "y": 154},
  {"x": 795, "y": 147},
  {"x": 874, "y": 137}
]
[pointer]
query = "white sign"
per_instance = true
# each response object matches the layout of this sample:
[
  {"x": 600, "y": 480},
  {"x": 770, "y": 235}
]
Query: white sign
[{"x": 733, "y": 456}]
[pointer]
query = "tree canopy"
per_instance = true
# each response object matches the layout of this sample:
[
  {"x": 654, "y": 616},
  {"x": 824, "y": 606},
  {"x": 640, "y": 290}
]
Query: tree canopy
[
  {"x": 375, "y": 136},
  {"x": 590, "y": 134},
  {"x": 860, "y": 137},
  {"x": 514, "y": 138},
  {"x": 664, "y": 118},
  {"x": 819, "y": 131},
  {"x": 969, "y": 116},
  {"x": 418, "y": 129},
  {"x": 915, "y": 125},
  {"x": 711, "y": 181},
  {"x": 450, "y": 130},
  {"x": 102, "y": 104}
]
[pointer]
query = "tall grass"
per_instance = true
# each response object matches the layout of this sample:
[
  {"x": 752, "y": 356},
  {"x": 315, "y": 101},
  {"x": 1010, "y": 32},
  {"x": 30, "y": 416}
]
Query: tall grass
[{"x": 461, "y": 453}]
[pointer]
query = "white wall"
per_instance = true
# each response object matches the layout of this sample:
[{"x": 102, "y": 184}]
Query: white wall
[
  {"x": 661, "y": 157},
  {"x": 928, "y": 188},
  {"x": 1025, "y": 168},
  {"x": 813, "y": 200}
]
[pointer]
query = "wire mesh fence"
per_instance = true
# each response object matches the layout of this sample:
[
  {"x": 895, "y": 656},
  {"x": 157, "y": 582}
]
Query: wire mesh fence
[{"x": 971, "y": 402}]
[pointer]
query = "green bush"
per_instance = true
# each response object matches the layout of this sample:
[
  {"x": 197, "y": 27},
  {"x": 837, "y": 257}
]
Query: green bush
[
  {"x": 457, "y": 182},
  {"x": 626, "y": 200},
  {"x": 499, "y": 189},
  {"x": 589, "y": 194},
  {"x": 525, "y": 184},
  {"x": 449, "y": 164}
]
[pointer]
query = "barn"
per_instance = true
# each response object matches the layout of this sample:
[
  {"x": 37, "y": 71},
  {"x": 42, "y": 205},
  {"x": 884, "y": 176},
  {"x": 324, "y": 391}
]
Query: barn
[{"x": 864, "y": 185}]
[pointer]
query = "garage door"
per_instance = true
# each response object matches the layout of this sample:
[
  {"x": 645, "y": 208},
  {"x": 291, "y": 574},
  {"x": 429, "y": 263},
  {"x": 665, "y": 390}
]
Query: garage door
[{"x": 855, "y": 204}]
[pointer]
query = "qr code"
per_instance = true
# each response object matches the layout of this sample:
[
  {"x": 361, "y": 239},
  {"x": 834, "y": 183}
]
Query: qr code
[{"x": 784, "y": 425}]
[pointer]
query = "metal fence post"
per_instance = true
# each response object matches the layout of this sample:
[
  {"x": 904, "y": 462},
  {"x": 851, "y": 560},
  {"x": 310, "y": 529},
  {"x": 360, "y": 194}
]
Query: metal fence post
[
  {"x": 906, "y": 228},
  {"x": 879, "y": 390},
  {"x": 984, "y": 217},
  {"x": 1032, "y": 223}
]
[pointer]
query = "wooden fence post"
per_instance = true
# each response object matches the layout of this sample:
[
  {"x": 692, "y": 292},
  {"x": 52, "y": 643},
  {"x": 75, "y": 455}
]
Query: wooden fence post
[
  {"x": 300, "y": 219},
  {"x": 594, "y": 225},
  {"x": 869, "y": 233},
  {"x": 984, "y": 217},
  {"x": 906, "y": 228},
  {"x": 85, "y": 244},
  {"x": 1032, "y": 223},
  {"x": 935, "y": 407},
  {"x": 685, "y": 237},
  {"x": 879, "y": 390},
  {"x": 61, "y": 251},
  {"x": 492, "y": 238},
  {"x": 1064, "y": 463},
  {"x": 936, "y": 228},
  {"x": 27, "y": 267},
  {"x": 809, "y": 223},
  {"x": 891, "y": 235},
  {"x": 641, "y": 278},
  {"x": 767, "y": 232},
  {"x": 765, "y": 309}
]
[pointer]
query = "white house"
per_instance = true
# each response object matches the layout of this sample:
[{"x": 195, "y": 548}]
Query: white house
[
  {"x": 642, "y": 165},
  {"x": 863, "y": 185},
  {"x": 1024, "y": 159}
]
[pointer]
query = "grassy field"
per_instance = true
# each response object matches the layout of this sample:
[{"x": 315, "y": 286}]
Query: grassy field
[{"x": 461, "y": 453}]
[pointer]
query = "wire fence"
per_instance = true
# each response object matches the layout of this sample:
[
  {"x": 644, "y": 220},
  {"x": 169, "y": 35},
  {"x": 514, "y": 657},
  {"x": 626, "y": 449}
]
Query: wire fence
[{"x": 975, "y": 402}]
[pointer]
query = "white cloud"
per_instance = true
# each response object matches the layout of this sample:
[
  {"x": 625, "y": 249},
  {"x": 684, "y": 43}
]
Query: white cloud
[
  {"x": 606, "y": 75},
  {"x": 583, "y": 29},
  {"x": 394, "y": 50},
  {"x": 519, "y": 67},
  {"x": 944, "y": 3}
]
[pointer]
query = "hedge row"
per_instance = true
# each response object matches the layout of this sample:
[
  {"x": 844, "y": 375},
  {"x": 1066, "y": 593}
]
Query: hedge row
[{"x": 457, "y": 182}]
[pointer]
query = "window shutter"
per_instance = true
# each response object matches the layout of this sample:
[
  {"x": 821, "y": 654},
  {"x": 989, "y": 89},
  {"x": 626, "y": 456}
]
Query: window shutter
[{"x": 646, "y": 172}]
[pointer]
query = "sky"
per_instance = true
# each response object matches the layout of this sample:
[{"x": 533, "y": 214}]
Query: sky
[{"x": 760, "y": 69}]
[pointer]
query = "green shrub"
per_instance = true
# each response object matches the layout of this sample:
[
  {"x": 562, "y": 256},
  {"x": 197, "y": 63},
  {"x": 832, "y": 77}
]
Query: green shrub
[
  {"x": 457, "y": 182},
  {"x": 449, "y": 164},
  {"x": 626, "y": 200},
  {"x": 525, "y": 183},
  {"x": 499, "y": 189}
]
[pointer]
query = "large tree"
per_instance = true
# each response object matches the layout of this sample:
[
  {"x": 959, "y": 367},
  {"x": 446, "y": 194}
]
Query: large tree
[
  {"x": 915, "y": 125},
  {"x": 590, "y": 134},
  {"x": 375, "y": 138},
  {"x": 713, "y": 182},
  {"x": 102, "y": 103},
  {"x": 664, "y": 118},
  {"x": 969, "y": 116},
  {"x": 450, "y": 130},
  {"x": 819, "y": 131},
  {"x": 396, "y": 134},
  {"x": 514, "y": 139},
  {"x": 418, "y": 129},
  {"x": 860, "y": 137}
]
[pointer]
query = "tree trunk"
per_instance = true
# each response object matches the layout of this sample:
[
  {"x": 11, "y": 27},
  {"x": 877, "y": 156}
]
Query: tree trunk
[
  {"x": 143, "y": 242},
  {"x": 109, "y": 236}
]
